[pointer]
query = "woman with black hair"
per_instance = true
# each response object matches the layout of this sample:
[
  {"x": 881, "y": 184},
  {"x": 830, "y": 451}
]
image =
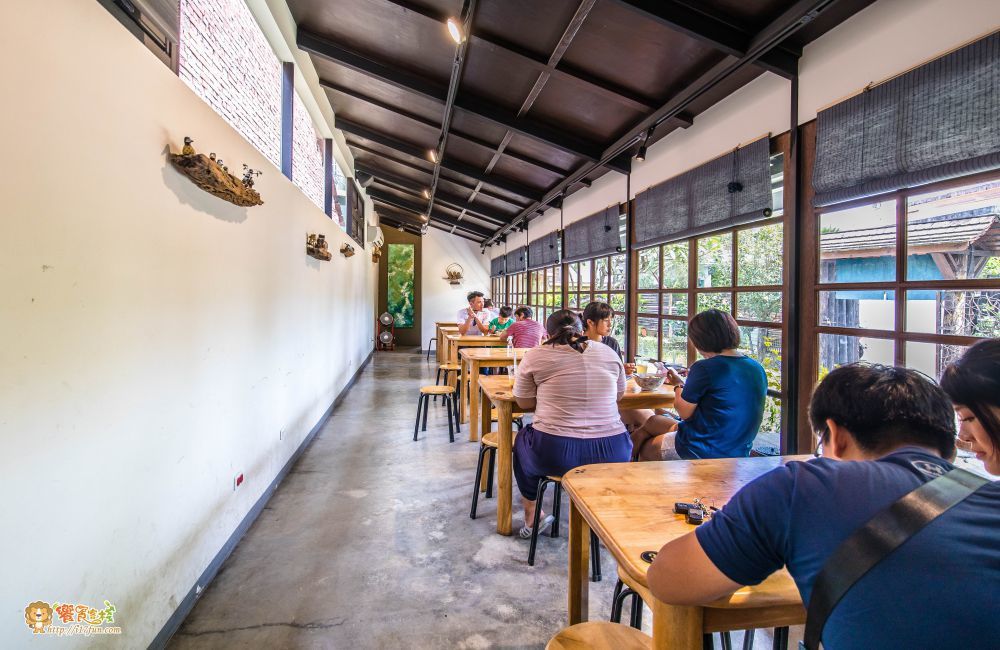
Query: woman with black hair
[
  {"x": 973, "y": 384},
  {"x": 721, "y": 403},
  {"x": 596, "y": 319},
  {"x": 574, "y": 385}
]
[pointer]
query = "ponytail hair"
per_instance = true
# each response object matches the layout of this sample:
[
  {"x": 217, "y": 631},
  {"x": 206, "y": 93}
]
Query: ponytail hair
[{"x": 563, "y": 328}]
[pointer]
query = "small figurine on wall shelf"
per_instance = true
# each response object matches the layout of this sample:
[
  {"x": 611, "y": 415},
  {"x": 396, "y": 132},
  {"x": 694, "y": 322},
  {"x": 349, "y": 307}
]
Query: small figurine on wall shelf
[
  {"x": 376, "y": 253},
  {"x": 347, "y": 250},
  {"x": 317, "y": 247},
  {"x": 212, "y": 175}
]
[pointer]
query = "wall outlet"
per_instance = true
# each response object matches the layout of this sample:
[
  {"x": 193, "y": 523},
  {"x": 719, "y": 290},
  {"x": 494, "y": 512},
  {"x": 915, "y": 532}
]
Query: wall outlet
[{"x": 238, "y": 481}]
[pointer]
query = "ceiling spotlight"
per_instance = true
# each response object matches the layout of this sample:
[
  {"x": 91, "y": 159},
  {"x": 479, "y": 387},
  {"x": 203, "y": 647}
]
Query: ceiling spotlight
[
  {"x": 432, "y": 156},
  {"x": 401, "y": 228},
  {"x": 423, "y": 217},
  {"x": 427, "y": 194},
  {"x": 455, "y": 29},
  {"x": 641, "y": 155}
]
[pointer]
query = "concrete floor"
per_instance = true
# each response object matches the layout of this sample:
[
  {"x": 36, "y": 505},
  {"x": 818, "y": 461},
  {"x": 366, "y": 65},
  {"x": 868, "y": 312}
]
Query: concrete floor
[{"x": 368, "y": 544}]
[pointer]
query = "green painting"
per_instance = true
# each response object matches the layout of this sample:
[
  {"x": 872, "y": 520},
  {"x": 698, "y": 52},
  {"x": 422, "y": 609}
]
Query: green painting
[{"x": 400, "y": 295}]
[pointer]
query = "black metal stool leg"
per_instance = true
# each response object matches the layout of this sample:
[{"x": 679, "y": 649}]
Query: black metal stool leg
[
  {"x": 780, "y": 638},
  {"x": 534, "y": 528},
  {"x": 426, "y": 408},
  {"x": 454, "y": 405},
  {"x": 489, "y": 473},
  {"x": 475, "y": 486},
  {"x": 595, "y": 558},
  {"x": 416, "y": 427},
  {"x": 451, "y": 430},
  {"x": 616, "y": 605},
  {"x": 556, "y": 509},
  {"x": 707, "y": 642},
  {"x": 748, "y": 639},
  {"x": 437, "y": 381},
  {"x": 636, "y": 618},
  {"x": 727, "y": 640}
]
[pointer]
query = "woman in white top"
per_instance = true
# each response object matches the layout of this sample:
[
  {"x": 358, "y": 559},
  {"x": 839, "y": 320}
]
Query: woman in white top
[{"x": 574, "y": 385}]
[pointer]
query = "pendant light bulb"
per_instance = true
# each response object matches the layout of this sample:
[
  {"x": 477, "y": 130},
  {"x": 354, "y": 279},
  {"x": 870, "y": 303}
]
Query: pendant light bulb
[
  {"x": 455, "y": 29},
  {"x": 432, "y": 156}
]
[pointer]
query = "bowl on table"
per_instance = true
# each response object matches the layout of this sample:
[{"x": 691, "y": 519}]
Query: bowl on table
[{"x": 648, "y": 381}]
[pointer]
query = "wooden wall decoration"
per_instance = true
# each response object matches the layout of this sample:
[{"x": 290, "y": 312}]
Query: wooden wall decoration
[
  {"x": 209, "y": 176},
  {"x": 317, "y": 247}
]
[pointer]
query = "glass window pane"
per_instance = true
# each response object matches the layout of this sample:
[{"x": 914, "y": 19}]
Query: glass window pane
[
  {"x": 675, "y": 265},
  {"x": 600, "y": 297},
  {"x": 858, "y": 244},
  {"x": 618, "y": 329},
  {"x": 954, "y": 234},
  {"x": 573, "y": 277},
  {"x": 649, "y": 303},
  {"x": 777, "y": 184},
  {"x": 649, "y": 268},
  {"x": 617, "y": 302},
  {"x": 966, "y": 313},
  {"x": 675, "y": 304},
  {"x": 601, "y": 279},
  {"x": 585, "y": 276},
  {"x": 618, "y": 273},
  {"x": 932, "y": 358},
  {"x": 648, "y": 332},
  {"x": 675, "y": 349},
  {"x": 873, "y": 310},
  {"x": 838, "y": 349},
  {"x": 572, "y": 300},
  {"x": 759, "y": 305},
  {"x": 556, "y": 278},
  {"x": 715, "y": 261},
  {"x": 764, "y": 345},
  {"x": 722, "y": 300},
  {"x": 550, "y": 278},
  {"x": 760, "y": 255}
]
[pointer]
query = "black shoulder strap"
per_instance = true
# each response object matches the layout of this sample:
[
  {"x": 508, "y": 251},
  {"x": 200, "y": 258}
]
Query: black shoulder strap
[{"x": 883, "y": 534}]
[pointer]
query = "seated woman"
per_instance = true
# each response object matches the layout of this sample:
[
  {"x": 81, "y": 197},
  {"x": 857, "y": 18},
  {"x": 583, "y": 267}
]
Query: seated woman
[
  {"x": 596, "y": 320},
  {"x": 973, "y": 384},
  {"x": 574, "y": 386},
  {"x": 721, "y": 404}
]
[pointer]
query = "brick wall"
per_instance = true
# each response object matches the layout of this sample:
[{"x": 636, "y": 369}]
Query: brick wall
[
  {"x": 307, "y": 154},
  {"x": 226, "y": 59}
]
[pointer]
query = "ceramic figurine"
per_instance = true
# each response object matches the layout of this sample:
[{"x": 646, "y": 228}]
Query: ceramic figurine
[
  {"x": 211, "y": 156},
  {"x": 188, "y": 150}
]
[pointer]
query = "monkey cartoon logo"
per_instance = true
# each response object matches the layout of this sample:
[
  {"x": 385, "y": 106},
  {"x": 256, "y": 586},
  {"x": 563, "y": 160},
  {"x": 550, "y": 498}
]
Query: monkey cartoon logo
[{"x": 38, "y": 616}]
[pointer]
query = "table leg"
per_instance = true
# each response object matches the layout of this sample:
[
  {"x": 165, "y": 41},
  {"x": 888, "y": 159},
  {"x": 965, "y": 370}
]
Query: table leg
[
  {"x": 485, "y": 426},
  {"x": 579, "y": 565},
  {"x": 676, "y": 627},
  {"x": 474, "y": 403},
  {"x": 505, "y": 468},
  {"x": 463, "y": 391},
  {"x": 437, "y": 350}
]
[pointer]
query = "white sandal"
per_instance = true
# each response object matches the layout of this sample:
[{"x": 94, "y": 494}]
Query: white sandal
[{"x": 543, "y": 525}]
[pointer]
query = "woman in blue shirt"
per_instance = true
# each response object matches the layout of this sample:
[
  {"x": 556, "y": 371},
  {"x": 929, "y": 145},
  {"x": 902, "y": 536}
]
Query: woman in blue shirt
[{"x": 721, "y": 403}]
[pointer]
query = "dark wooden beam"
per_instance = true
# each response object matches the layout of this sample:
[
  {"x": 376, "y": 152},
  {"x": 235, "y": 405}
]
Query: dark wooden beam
[
  {"x": 434, "y": 124},
  {"x": 601, "y": 87},
  {"x": 456, "y": 166},
  {"x": 444, "y": 198},
  {"x": 413, "y": 221},
  {"x": 418, "y": 209},
  {"x": 480, "y": 107},
  {"x": 380, "y": 184},
  {"x": 731, "y": 39},
  {"x": 410, "y": 165},
  {"x": 797, "y": 16}
]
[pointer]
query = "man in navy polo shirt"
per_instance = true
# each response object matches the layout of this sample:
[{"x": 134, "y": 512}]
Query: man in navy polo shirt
[{"x": 884, "y": 432}]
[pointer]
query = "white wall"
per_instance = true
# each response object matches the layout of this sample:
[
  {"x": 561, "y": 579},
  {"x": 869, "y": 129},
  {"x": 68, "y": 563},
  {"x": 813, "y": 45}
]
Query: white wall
[
  {"x": 154, "y": 340},
  {"x": 440, "y": 300},
  {"x": 885, "y": 39}
]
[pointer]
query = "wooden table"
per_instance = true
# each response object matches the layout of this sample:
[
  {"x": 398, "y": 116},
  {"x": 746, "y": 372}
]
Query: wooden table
[
  {"x": 496, "y": 389},
  {"x": 458, "y": 341},
  {"x": 443, "y": 330},
  {"x": 630, "y": 507},
  {"x": 472, "y": 360}
]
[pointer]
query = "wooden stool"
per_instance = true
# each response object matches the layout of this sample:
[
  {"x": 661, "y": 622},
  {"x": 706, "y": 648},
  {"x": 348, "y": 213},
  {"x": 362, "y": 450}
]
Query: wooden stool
[
  {"x": 595, "y": 543},
  {"x": 447, "y": 368},
  {"x": 450, "y": 397},
  {"x": 487, "y": 445},
  {"x": 596, "y": 635},
  {"x": 433, "y": 341}
]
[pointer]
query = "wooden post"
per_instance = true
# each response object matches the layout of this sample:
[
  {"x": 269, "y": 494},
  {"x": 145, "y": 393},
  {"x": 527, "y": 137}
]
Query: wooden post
[
  {"x": 474, "y": 402},
  {"x": 505, "y": 470},
  {"x": 579, "y": 565},
  {"x": 676, "y": 628}
]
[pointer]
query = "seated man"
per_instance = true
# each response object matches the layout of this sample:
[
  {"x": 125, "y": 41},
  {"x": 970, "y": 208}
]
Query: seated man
[
  {"x": 474, "y": 319},
  {"x": 524, "y": 332},
  {"x": 884, "y": 432}
]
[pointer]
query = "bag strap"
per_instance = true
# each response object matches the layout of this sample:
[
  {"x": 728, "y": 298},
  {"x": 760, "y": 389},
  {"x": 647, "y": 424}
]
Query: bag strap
[{"x": 883, "y": 534}]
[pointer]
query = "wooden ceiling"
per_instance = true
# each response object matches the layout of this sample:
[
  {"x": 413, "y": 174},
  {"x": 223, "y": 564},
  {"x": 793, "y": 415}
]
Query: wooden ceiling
[{"x": 540, "y": 99}]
